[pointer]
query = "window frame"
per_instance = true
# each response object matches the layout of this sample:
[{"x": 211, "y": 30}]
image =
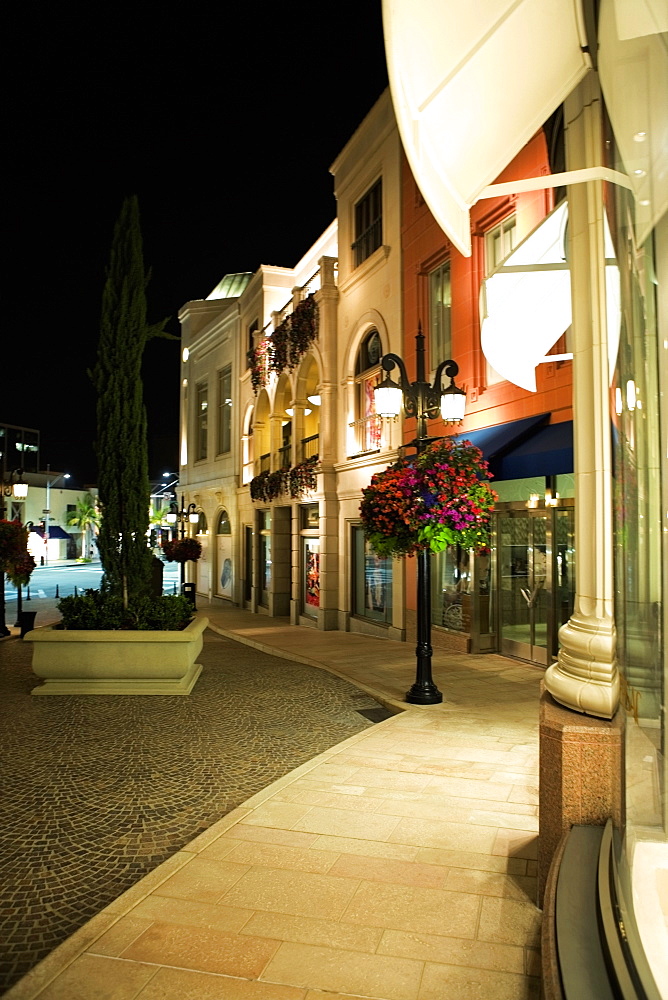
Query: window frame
[
  {"x": 225, "y": 404},
  {"x": 368, "y": 223},
  {"x": 440, "y": 345},
  {"x": 201, "y": 421}
]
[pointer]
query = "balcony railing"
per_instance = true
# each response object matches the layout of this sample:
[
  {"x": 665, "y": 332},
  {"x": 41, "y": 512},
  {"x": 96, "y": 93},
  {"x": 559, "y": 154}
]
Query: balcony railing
[
  {"x": 368, "y": 432},
  {"x": 264, "y": 463},
  {"x": 284, "y": 456},
  {"x": 310, "y": 446}
]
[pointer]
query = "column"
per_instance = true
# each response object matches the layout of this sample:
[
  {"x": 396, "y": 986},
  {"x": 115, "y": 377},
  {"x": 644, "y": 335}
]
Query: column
[{"x": 585, "y": 676}]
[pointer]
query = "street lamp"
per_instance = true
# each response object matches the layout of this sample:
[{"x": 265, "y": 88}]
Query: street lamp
[
  {"x": 49, "y": 484},
  {"x": 423, "y": 401},
  {"x": 183, "y": 516},
  {"x": 19, "y": 491}
]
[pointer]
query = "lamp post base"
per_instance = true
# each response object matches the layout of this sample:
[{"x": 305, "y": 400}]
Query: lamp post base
[{"x": 424, "y": 695}]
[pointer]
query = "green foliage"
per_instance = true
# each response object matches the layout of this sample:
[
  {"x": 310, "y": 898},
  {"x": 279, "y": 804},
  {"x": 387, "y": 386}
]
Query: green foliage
[
  {"x": 182, "y": 549},
  {"x": 96, "y": 609},
  {"x": 15, "y": 560},
  {"x": 121, "y": 416},
  {"x": 85, "y": 517}
]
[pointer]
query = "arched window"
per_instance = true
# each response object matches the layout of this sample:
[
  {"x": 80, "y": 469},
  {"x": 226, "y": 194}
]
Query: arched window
[
  {"x": 224, "y": 526},
  {"x": 367, "y": 371},
  {"x": 202, "y": 524}
]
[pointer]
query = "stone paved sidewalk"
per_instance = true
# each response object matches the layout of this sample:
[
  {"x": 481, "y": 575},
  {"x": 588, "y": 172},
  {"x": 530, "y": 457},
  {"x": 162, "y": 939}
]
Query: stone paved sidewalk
[{"x": 97, "y": 792}]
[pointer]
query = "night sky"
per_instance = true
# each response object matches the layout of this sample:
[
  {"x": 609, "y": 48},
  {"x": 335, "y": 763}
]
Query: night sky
[{"x": 223, "y": 121}]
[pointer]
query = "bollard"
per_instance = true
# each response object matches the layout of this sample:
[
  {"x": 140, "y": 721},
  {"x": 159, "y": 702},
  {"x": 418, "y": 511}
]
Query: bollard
[
  {"x": 174, "y": 588},
  {"x": 57, "y": 592},
  {"x": 28, "y": 597},
  {"x": 76, "y": 592}
]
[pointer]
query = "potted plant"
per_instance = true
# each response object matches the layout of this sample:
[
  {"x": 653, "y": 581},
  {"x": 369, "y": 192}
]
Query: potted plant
[
  {"x": 439, "y": 497},
  {"x": 112, "y": 641}
]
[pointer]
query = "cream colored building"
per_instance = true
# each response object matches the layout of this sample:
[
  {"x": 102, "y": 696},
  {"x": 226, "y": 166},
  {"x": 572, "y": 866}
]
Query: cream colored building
[{"x": 278, "y": 433}]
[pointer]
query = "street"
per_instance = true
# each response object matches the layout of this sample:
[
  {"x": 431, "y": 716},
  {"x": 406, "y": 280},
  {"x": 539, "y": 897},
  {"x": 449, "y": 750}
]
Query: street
[{"x": 67, "y": 576}]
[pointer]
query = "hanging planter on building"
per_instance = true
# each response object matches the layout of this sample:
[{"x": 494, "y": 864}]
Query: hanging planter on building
[
  {"x": 436, "y": 499},
  {"x": 287, "y": 345},
  {"x": 294, "y": 482},
  {"x": 182, "y": 550}
]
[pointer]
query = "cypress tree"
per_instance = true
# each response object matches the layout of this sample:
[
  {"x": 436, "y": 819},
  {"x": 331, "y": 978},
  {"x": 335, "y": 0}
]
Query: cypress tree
[{"x": 121, "y": 445}]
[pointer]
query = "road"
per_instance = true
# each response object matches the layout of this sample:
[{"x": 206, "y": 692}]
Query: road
[{"x": 67, "y": 576}]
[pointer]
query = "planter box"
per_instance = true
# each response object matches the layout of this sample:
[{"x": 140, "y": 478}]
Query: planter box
[{"x": 117, "y": 662}]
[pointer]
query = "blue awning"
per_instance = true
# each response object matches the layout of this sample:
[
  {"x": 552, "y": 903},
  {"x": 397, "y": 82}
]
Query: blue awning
[
  {"x": 55, "y": 531},
  {"x": 524, "y": 448},
  {"x": 495, "y": 441},
  {"x": 548, "y": 452}
]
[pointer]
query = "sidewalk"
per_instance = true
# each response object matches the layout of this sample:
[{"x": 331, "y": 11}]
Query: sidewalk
[{"x": 398, "y": 865}]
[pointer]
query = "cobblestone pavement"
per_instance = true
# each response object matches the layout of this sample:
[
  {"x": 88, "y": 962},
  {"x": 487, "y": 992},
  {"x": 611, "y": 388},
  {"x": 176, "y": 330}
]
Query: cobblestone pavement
[{"x": 98, "y": 791}]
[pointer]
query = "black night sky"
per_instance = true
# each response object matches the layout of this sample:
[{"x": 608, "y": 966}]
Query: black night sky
[{"x": 224, "y": 121}]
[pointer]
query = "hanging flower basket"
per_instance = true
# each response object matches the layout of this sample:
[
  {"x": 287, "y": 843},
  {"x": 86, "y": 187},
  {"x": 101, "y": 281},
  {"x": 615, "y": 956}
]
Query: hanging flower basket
[
  {"x": 303, "y": 477},
  {"x": 303, "y": 329},
  {"x": 182, "y": 550},
  {"x": 268, "y": 485},
  {"x": 15, "y": 560},
  {"x": 287, "y": 345},
  {"x": 436, "y": 499}
]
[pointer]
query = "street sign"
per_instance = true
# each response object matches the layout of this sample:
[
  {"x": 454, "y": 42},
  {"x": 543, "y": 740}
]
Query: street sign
[{"x": 46, "y": 512}]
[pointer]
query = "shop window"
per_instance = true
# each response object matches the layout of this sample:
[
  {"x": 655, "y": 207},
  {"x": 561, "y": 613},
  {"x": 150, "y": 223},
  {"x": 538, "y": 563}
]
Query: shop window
[
  {"x": 225, "y": 410},
  {"x": 440, "y": 308},
  {"x": 372, "y": 581},
  {"x": 368, "y": 224},
  {"x": 201, "y": 421},
  {"x": 310, "y": 542},
  {"x": 224, "y": 554},
  {"x": 367, "y": 371}
]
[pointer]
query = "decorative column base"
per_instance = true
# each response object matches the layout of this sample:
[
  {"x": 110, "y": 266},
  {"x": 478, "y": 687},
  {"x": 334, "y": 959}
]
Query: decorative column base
[
  {"x": 585, "y": 676},
  {"x": 581, "y": 776}
]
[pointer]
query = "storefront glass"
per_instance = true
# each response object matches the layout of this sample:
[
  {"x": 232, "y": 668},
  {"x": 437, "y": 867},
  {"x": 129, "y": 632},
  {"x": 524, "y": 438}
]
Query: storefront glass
[
  {"x": 640, "y": 433},
  {"x": 372, "y": 581}
]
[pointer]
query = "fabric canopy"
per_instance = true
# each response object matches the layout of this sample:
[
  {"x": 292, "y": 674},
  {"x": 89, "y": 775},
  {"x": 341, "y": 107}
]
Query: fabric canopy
[{"x": 471, "y": 83}]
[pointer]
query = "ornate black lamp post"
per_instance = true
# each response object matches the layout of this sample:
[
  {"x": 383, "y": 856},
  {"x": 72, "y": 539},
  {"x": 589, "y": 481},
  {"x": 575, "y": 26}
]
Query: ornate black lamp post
[
  {"x": 17, "y": 489},
  {"x": 423, "y": 401},
  {"x": 183, "y": 516}
]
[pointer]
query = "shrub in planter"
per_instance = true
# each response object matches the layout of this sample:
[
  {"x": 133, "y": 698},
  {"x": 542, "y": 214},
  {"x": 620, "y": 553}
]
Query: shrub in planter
[{"x": 95, "y": 609}]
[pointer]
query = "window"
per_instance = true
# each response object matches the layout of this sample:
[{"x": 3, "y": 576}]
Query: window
[
  {"x": 372, "y": 581},
  {"x": 367, "y": 370},
  {"x": 252, "y": 330},
  {"x": 225, "y": 409},
  {"x": 440, "y": 307},
  {"x": 368, "y": 224},
  {"x": 201, "y": 421},
  {"x": 499, "y": 242}
]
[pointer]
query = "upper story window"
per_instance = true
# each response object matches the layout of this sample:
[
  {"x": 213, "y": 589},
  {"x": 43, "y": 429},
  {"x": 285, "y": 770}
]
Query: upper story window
[
  {"x": 201, "y": 421},
  {"x": 368, "y": 224},
  {"x": 252, "y": 330},
  {"x": 225, "y": 409},
  {"x": 440, "y": 308},
  {"x": 499, "y": 242},
  {"x": 367, "y": 370}
]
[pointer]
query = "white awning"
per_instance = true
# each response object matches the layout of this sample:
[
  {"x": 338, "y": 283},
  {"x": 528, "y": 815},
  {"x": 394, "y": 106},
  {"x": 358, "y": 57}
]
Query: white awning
[
  {"x": 526, "y": 302},
  {"x": 472, "y": 82}
]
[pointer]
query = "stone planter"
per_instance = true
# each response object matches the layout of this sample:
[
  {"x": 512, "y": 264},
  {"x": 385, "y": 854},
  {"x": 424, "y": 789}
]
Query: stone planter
[{"x": 116, "y": 662}]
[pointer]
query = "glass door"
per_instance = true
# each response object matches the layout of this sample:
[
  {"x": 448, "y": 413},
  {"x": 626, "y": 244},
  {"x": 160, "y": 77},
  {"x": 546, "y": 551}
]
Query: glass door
[{"x": 525, "y": 583}]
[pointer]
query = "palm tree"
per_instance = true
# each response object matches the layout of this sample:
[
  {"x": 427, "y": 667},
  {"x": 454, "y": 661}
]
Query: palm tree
[{"x": 85, "y": 517}]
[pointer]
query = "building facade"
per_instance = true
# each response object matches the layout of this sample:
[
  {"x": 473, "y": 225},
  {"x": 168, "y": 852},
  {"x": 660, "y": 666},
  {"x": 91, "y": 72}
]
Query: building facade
[{"x": 603, "y": 720}]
